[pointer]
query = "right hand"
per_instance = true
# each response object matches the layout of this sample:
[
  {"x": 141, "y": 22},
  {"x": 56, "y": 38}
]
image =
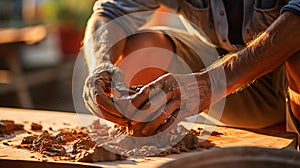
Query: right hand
[{"x": 165, "y": 102}]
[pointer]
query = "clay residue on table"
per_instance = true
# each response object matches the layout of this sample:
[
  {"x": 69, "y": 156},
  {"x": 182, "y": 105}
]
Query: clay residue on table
[
  {"x": 69, "y": 144},
  {"x": 36, "y": 127},
  {"x": 97, "y": 143},
  {"x": 8, "y": 127},
  {"x": 175, "y": 141}
]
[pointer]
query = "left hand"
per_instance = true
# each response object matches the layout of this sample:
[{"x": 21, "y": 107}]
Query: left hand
[{"x": 167, "y": 101}]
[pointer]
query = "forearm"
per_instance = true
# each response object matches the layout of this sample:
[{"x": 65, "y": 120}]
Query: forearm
[
  {"x": 269, "y": 50},
  {"x": 104, "y": 41}
]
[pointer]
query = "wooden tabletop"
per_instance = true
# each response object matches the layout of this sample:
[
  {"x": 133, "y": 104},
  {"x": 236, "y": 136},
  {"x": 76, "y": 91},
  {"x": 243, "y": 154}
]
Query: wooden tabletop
[
  {"x": 229, "y": 137},
  {"x": 28, "y": 34}
]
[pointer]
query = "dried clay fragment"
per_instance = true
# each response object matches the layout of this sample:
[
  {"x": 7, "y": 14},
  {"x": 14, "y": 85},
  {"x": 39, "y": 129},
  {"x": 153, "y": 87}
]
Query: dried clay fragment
[
  {"x": 36, "y": 127},
  {"x": 98, "y": 154},
  {"x": 8, "y": 127}
]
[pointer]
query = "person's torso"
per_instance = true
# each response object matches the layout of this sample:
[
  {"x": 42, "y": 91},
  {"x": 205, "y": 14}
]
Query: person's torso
[{"x": 230, "y": 24}]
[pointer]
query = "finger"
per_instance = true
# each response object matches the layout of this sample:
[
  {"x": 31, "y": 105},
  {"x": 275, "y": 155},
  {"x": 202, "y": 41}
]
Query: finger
[
  {"x": 151, "y": 126},
  {"x": 95, "y": 107},
  {"x": 129, "y": 107},
  {"x": 101, "y": 99},
  {"x": 102, "y": 113},
  {"x": 136, "y": 129},
  {"x": 149, "y": 111},
  {"x": 172, "y": 121},
  {"x": 107, "y": 104},
  {"x": 146, "y": 93},
  {"x": 123, "y": 104}
]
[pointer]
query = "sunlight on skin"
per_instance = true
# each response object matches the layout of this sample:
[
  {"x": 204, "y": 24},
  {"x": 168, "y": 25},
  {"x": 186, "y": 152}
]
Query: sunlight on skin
[{"x": 147, "y": 56}]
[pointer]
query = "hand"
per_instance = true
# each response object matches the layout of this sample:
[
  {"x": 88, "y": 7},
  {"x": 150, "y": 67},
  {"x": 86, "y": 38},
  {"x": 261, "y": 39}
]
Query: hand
[
  {"x": 97, "y": 93},
  {"x": 167, "y": 101}
]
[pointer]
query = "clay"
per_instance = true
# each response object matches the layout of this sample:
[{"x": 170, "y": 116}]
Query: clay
[
  {"x": 180, "y": 139},
  {"x": 8, "y": 127},
  {"x": 204, "y": 132},
  {"x": 84, "y": 149},
  {"x": 83, "y": 144},
  {"x": 48, "y": 145},
  {"x": 19, "y": 127},
  {"x": 98, "y": 129},
  {"x": 98, "y": 154},
  {"x": 69, "y": 135},
  {"x": 36, "y": 127},
  {"x": 28, "y": 139},
  {"x": 6, "y": 143},
  {"x": 97, "y": 143}
]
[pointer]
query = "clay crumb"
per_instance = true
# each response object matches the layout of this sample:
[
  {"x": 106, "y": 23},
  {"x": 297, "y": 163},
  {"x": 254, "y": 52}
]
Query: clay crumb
[
  {"x": 5, "y": 143},
  {"x": 8, "y": 127},
  {"x": 36, "y": 127}
]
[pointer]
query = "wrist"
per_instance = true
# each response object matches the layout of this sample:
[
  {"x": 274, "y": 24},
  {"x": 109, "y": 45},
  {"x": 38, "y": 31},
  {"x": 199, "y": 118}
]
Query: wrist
[{"x": 214, "y": 81}]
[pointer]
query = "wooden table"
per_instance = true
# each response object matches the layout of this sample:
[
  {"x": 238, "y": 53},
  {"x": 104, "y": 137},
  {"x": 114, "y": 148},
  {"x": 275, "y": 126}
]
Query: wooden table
[{"x": 230, "y": 137}]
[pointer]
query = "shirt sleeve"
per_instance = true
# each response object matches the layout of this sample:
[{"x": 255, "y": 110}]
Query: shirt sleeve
[
  {"x": 292, "y": 6},
  {"x": 130, "y": 14}
]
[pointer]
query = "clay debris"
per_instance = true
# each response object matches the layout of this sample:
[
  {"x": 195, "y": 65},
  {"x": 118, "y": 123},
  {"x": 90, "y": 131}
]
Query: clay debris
[
  {"x": 50, "y": 144},
  {"x": 8, "y": 127},
  {"x": 36, "y": 127},
  {"x": 87, "y": 150},
  {"x": 83, "y": 148},
  {"x": 97, "y": 143},
  {"x": 176, "y": 141}
]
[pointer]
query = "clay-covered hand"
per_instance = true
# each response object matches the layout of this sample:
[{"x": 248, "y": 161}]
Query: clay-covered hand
[
  {"x": 98, "y": 93},
  {"x": 167, "y": 101}
]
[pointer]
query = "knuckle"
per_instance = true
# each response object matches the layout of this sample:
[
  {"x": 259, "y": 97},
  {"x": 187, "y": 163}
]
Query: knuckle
[{"x": 145, "y": 90}]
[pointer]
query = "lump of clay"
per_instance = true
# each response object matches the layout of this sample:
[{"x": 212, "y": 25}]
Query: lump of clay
[
  {"x": 47, "y": 144},
  {"x": 98, "y": 154},
  {"x": 8, "y": 127},
  {"x": 28, "y": 139},
  {"x": 83, "y": 144},
  {"x": 98, "y": 129},
  {"x": 36, "y": 127},
  {"x": 69, "y": 135},
  {"x": 175, "y": 141}
]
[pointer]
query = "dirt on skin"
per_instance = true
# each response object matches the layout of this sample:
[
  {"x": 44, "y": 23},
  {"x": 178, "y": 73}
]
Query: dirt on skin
[{"x": 97, "y": 142}]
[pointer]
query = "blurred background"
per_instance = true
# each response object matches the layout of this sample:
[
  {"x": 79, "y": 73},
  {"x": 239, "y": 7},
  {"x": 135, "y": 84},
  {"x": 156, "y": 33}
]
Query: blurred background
[{"x": 39, "y": 42}]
